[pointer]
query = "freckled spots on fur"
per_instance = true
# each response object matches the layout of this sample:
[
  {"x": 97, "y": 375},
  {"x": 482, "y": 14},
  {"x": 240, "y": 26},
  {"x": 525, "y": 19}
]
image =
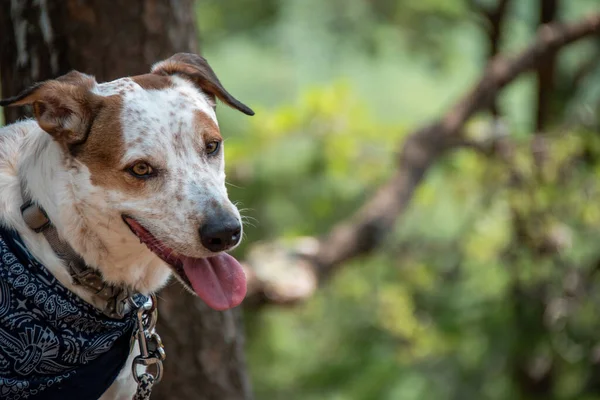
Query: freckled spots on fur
[
  {"x": 145, "y": 148},
  {"x": 169, "y": 128},
  {"x": 119, "y": 86},
  {"x": 178, "y": 144}
]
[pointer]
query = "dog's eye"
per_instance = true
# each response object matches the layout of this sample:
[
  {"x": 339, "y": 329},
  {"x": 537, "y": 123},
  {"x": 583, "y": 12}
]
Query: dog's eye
[
  {"x": 212, "y": 147},
  {"x": 141, "y": 169}
]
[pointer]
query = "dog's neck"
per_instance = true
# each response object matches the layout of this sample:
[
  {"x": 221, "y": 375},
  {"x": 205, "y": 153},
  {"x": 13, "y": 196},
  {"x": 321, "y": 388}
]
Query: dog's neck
[{"x": 103, "y": 242}]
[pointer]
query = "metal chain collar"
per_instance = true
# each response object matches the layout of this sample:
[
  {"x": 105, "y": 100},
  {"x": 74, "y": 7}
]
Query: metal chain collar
[{"x": 152, "y": 351}]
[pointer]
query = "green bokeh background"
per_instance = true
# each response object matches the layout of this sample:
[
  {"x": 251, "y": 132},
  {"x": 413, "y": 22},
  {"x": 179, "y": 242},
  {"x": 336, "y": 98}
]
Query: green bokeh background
[{"x": 457, "y": 302}]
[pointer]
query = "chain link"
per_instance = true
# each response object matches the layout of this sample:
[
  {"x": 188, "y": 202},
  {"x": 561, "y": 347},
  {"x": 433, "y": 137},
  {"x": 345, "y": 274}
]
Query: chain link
[{"x": 152, "y": 351}]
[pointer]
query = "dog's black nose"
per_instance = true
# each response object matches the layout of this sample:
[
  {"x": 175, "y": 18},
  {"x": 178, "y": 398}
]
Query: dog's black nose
[{"x": 220, "y": 234}]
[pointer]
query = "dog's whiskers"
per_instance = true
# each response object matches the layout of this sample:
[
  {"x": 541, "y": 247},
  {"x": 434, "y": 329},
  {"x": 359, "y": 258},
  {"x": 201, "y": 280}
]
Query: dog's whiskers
[{"x": 233, "y": 185}]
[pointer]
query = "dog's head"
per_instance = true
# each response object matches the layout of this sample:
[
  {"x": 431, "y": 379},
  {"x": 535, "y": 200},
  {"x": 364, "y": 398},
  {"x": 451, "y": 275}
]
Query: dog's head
[{"x": 144, "y": 160}]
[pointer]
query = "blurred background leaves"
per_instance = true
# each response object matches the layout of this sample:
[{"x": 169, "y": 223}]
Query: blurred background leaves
[{"x": 488, "y": 286}]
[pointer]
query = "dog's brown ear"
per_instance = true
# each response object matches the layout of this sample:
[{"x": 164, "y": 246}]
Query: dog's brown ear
[
  {"x": 64, "y": 107},
  {"x": 197, "y": 69}
]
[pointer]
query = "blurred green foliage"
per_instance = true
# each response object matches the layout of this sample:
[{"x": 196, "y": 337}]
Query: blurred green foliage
[{"x": 488, "y": 288}]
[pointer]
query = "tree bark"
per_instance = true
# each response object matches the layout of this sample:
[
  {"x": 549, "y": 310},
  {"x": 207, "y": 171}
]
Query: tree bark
[
  {"x": 43, "y": 39},
  {"x": 205, "y": 350}
]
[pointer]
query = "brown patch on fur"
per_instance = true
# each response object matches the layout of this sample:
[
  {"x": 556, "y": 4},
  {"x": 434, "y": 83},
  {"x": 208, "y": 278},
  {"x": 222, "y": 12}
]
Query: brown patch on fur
[
  {"x": 153, "y": 81},
  {"x": 207, "y": 127},
  {"x": 103, "y": 150}
]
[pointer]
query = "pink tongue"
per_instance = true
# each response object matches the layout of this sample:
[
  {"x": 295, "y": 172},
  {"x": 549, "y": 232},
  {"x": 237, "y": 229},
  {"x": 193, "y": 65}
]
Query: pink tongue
[{"x": 219, "y": 281}]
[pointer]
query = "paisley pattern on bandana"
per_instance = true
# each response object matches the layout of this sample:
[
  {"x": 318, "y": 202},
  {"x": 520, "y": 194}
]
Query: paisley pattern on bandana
[{"x": 48, "y": 335}]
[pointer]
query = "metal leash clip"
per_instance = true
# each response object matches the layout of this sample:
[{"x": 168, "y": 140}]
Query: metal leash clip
[{"x": 152, "y": 351}]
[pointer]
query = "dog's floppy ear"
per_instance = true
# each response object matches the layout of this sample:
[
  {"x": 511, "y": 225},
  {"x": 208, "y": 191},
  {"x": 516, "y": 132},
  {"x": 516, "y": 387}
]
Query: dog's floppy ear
[
  {"x": 64, "y": 107},
  {"x": 197, "y": 69}
]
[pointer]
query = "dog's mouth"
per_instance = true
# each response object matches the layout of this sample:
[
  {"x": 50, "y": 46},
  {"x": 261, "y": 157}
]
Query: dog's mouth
[{"x": 219, "y": 280}]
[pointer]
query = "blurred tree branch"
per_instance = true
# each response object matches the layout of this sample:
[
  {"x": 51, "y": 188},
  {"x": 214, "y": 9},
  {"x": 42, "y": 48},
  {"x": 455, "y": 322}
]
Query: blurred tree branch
[{"x": 368, "y": 227}]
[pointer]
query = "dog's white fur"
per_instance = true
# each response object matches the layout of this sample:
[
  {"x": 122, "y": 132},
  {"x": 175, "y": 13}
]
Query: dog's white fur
[{"x": 88, "y": 215}]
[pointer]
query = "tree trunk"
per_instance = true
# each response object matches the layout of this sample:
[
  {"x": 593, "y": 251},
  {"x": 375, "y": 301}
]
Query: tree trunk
[
  {"x": 546, "y": 70},
  {"x": 43, "y": 39},
  {"x": 495, "y": 17},
  {"x": 205, "y": 350}
]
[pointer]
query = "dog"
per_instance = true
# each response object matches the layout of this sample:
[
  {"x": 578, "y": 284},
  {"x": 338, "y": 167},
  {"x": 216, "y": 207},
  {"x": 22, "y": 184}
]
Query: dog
[{"x": 128, "y": 176}]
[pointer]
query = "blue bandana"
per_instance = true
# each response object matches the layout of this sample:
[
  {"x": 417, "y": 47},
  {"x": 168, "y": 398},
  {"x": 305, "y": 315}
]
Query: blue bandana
[{"x": 53, "y": 345}]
